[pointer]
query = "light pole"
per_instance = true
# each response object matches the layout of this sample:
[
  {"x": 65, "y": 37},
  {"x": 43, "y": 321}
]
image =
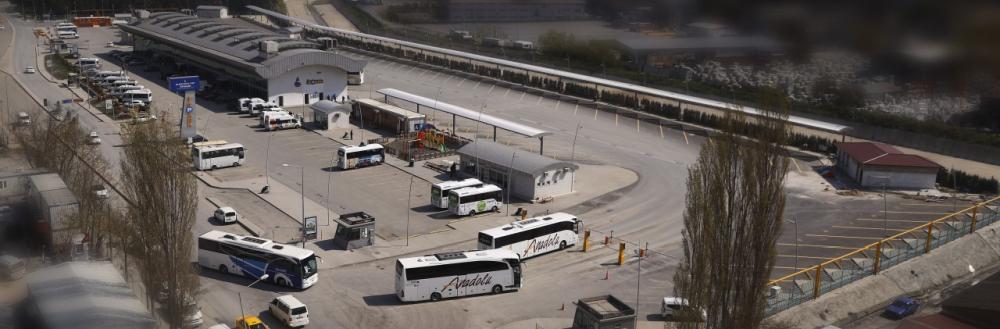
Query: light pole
[
  {"x": 409, "y": 195},
  {"x": 638, "y": 276},
  {"x": 302, "y": 193},
  {"x": 329, "y": 181},
  {"x": 267, "y": 159},
  {"x": 572, "y": 155},
  {"x": 796, "y": 242},
  {"x": 510, "y": 171}
]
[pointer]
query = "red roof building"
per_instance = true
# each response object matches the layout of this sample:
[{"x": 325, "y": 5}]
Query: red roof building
[{"x": 875, "y": 165}]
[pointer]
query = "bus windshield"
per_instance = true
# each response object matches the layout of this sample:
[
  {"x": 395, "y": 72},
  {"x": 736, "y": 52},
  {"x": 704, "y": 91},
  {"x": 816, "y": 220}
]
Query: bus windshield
[
  {"x": 453, "y": 199},
  {"x": 309, "y": 266},
  {"x": 485, "y": 240},
  {"x": 435, "y": 193}
]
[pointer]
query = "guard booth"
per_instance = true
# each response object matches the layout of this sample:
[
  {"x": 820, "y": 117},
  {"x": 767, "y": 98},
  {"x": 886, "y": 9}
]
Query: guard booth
[
  {"x": 369, "y": 113},
  {"x": 354, "y": 230},
  {"x": 603, "y": 312},
  {"x": 329, "y": 115}
]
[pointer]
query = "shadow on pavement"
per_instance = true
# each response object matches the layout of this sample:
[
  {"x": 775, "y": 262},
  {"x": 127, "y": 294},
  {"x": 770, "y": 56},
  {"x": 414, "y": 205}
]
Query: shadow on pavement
[{"x": 382, "y": 300}]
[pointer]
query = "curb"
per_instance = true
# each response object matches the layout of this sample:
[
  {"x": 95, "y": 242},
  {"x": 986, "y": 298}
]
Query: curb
[{"x": 250, "y": 227}]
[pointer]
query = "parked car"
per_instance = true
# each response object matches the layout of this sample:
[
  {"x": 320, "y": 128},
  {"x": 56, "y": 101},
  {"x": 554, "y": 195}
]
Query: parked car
[
  {"x": 901, "y": 307},
  {"x": 672, "y": 307},
  {"x": 193, "y": 317},
  {"x": 29, "y": 69},
  {"x": 226, "y": 215},
  {"x": 101, "y": 191},
  {"x": 290, "y": 311},
  {"x": 250, "y": 322},
  {"x": 23, "y": 119},
  {"x": 93, "y": 138}
]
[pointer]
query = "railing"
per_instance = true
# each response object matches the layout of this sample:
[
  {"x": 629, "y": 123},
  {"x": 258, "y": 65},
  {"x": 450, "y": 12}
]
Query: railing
[{"x": 812, "y": 282}]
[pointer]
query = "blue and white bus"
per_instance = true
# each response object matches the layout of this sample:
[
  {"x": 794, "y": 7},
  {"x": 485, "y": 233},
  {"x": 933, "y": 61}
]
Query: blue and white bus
[
  {"x": 285, "y": 265},
  {"x": 349, "y": 157}
]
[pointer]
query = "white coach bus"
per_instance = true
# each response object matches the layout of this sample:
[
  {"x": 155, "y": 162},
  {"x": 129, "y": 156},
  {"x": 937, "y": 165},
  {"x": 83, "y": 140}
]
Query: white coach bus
[
  {"x": 456, "y": 274},
  {"x": 439, "y": 191},
  {"x": 473, "y": 200},
  {"x": 350, "y": 157},
  {"x": 533, "y": 236},
  {"x": 219, "y": 154},
  {"x": 285, "y": 265}
]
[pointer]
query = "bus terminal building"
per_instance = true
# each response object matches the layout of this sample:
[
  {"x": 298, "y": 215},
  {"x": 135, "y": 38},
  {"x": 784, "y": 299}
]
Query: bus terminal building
[
  {"x": 533, "y": 176},
  {"x": 278, "y": 67}
]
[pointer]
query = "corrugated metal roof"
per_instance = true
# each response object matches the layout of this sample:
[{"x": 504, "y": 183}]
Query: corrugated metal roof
[
  {"x": 236, "y": 42},
  {"x": 870, "y": 153},
  {"x": 60, "y": 197},
  {"x": 87, "y": 295},
  {"x": 398, "y": 111},
  {"x": 47, "y": 182},
  {"x": 465, "y": 113},
  {"x": 797, "y": 120},
  {"x": 526, "y": 162}
]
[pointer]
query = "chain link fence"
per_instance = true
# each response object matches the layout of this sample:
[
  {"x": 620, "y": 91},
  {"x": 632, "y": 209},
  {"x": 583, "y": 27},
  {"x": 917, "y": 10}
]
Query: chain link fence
[{"x": 812, "y": 282}]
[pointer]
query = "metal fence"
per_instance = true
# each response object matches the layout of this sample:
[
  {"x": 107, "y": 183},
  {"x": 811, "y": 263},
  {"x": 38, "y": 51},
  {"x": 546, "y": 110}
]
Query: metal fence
[{"x": 812, "y": 282}]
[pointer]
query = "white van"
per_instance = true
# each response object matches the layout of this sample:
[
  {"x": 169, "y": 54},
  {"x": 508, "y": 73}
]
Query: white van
[
  {"x": 103, "y": 74},
  {"x": 118, "y": 91},
  {"x": 265, "y": 116},
  {"x": 134, "y": 96},
  {"x": 23, "y": 119},
  {"x": 289, "y": 310},
  {"x": 246, "y": 104},
  {"x": 68, "y": 35},
  {"x": 88, "y": 61}
]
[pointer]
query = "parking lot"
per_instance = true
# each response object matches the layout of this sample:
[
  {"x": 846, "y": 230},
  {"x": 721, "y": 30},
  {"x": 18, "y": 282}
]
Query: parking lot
[{"x": 650, "y": 210}]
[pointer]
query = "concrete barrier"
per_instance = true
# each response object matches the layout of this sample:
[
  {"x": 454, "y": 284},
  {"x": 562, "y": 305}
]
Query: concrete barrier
[{"x": 918, "y": 276}]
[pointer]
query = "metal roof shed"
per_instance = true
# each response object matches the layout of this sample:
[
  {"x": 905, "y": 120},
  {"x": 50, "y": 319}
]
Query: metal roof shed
[
  {"x": 528, "y": 163},
  {"x": 328, "y": 114},
  {"x": 455, "y": 110},
  {"x": 86, "y": 295}
]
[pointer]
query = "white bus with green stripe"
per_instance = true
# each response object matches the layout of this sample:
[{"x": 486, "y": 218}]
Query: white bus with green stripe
[{"x": 475, "y": 200}]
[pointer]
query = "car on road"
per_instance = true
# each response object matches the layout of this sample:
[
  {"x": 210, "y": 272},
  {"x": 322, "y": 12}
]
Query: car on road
[
  {"x": 101, "y": 191},
  {"x": 902, "y": 307},
  {"x": 289, "y": 310},
  {"x": 673, "y": 307},
  {"x": 250, "y": 322},
  {"x": 193, "y": 317},
  {"x": 93, "y": 138},
  {"x": 226, "y": 215},
  {"x": 111, "y": 44},
  {"x": 23, "y": 119},
  {"x": 29, "y": 69}
]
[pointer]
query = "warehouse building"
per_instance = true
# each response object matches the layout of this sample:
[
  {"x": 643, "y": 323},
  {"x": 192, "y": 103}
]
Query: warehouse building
[
  {"x": 533, "y": 176},
  {"x": 515, "y": 10},
  {"x": 270, "y": 65},
  {"x": 877, "y": 165},
  {"x": 84, "y": 295}
]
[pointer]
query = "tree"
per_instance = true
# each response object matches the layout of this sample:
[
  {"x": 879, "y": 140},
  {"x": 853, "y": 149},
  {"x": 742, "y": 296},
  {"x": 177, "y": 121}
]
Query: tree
[
  {"x": 732, "y": 220},
  {"x": 155, "y": 175}
]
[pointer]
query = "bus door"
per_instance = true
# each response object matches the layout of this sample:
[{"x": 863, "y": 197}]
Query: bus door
[
  {"x": 515, "y": 266},
  {"x": 576, "y": 226}
]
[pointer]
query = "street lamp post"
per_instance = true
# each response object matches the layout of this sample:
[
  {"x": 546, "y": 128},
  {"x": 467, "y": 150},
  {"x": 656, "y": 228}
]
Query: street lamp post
[
  {"x": 510, "y": 172},
  {"x": 796, "y": 242},
  {"x": 572, "y": 155},
  {"x": 409, "y": 195},
  {"x": 267, "y": 158},
  {"x": 302, "y": 193}
]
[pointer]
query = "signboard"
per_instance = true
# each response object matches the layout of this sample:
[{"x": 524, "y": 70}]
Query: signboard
[
  {"x": 182, "y": 84},
  {"x": 108, "y": 104},
  {"x": 310, "y": 228},
  {"x": 188, "y": 127}
]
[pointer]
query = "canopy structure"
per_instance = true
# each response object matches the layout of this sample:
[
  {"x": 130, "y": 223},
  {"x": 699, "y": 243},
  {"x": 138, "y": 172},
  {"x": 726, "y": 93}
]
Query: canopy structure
[{"x": 458, "y": 111}]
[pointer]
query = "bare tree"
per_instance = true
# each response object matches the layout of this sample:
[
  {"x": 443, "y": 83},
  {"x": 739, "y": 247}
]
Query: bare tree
[
  {"x": 732, "y": 220},
  {"x": 155, "y": 175}
]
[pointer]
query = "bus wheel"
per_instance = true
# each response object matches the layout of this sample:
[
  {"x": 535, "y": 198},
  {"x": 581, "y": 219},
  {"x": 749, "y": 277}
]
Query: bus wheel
[
  {"x": 496, "y": 209},
  {"x": 214, "y": 167},
  {"x": 236, "y": 164},
  {"x": 284, "y": 283},
  {"x": 223, "y": 269},
  {"x": 562, "y": 245},
  {"x": 472, "y": 213},
  {"x": 497, "y": 289},
  {"x": 435, "y": 296}
]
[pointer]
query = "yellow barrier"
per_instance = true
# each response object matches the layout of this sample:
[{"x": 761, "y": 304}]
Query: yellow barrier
[{"x": 878, "y": 257}]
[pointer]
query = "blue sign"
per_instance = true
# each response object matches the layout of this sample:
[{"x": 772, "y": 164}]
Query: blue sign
[
  {"x": 188, "y": 109},
  {"x": 182, "y": 84},
  {"x": 67, "y": 101}
]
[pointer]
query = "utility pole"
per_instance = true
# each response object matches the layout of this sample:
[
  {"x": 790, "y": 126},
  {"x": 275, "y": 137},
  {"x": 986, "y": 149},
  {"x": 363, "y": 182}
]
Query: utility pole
[
  {"x": 572, "y": 155},
  {"x": 302, "y": 193}
]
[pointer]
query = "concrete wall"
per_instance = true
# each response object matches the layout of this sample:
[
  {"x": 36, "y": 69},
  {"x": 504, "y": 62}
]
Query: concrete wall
[
  {"x": 898, "y": 177},
  {"x": 14, "y": 187},
  {"x": 918, "y": 276},
  {"x": 312, "y": 80}
]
